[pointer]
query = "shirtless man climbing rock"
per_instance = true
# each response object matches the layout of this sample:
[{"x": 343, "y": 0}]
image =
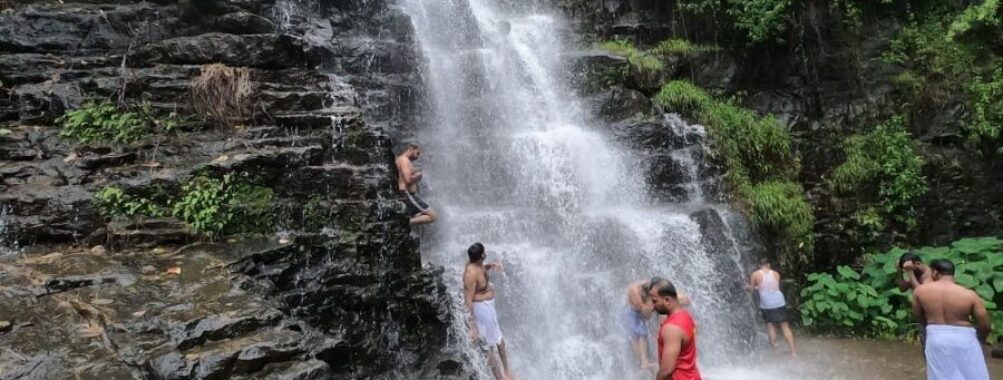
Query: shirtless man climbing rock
[
  {"x": 953, "y": 350},
  {"x": 479, "y": 300},
  {"x": 407, "y": 184}
]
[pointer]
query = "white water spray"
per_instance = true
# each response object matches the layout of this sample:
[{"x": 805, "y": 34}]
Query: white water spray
[{"x": 518, "y": 167}]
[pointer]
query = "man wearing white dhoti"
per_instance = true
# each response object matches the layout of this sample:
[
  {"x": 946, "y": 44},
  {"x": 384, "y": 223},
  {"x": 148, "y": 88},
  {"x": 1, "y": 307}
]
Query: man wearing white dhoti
[
  {"x": 479, "y": 298},
  {"x": 953, "y": 349}
]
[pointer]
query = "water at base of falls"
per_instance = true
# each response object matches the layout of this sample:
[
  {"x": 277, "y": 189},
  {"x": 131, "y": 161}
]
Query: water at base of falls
[{"x": 514, "y": 162}]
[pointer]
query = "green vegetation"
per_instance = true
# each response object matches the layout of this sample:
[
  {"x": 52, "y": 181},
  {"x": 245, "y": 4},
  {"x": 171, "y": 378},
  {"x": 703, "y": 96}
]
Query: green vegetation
[
  {"x": 943, "y": 71},
  {"x": 315, "y": 215},
  {"x": 207, "y": 205},
  {"x": 885, "y": 159},
  {"x": 641, "y": 60},
  {"x": 680, "y": 47},
  {"x": 975, "y": 17},
  {"x": 868, "y": 302},
  {"x": 103, "y": 122},
  {"x": 987, "y": 109},
  {"x": 113, "y": 201},
  {"x": 4, "y": 132},
  {"x": 762, "y": 168},
  {"x": 211, "y": 205},
  {"x": 755, "y": 20}
]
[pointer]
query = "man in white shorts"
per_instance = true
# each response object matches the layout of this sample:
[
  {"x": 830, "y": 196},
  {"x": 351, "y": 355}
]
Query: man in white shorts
[
  {"x": 479, "y": 299},
  {"x": 946, "y": 309}
]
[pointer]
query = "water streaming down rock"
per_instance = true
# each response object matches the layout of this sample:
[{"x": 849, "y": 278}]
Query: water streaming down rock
[{"x": 517, "y": 164}]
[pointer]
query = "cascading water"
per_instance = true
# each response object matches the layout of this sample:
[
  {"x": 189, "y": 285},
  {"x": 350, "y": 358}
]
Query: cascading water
[{"x": 516, "y": 165}]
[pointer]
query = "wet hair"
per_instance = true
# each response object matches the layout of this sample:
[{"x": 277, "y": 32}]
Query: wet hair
[
  {"x": 411, "y": 146},
  {"x": 662, "y": 287},
  {"x": 943, "y": 266},
  {"x": 909, "y": 256},
  {"x": 475, "y": 252},
  {"x": 764, "y": 261}
]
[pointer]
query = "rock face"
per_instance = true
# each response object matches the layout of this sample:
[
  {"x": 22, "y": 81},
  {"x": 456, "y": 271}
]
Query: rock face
[
  {"x": 826, "y": 84},
  {"x": 340, "y": 294}
]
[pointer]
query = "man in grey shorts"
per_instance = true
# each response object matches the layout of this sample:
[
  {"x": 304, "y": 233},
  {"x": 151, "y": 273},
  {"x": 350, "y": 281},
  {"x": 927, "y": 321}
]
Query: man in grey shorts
[
  {"x": 766, "y": 282},
  {"x": 407, "y": 184}
]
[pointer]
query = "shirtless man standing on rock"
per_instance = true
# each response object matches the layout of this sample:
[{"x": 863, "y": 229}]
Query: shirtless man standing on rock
[
  {"x": 479, "y": 300},
  {"x": 953, "y": 349},
  {"x": 407, "y": 184}
]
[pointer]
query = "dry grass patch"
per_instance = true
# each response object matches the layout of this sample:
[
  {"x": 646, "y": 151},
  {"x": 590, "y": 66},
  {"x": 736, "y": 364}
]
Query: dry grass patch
[{"x": 223, "y": 95}]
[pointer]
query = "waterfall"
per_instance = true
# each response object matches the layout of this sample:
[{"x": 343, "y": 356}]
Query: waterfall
[{"x": 513, "y": 159}]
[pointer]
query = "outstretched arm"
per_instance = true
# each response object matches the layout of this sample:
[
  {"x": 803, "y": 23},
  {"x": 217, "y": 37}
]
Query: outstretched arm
[{"x": 673, "y": 338}]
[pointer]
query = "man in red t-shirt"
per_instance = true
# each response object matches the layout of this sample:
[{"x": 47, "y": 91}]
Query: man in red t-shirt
[{"x": 677, "y": 341}]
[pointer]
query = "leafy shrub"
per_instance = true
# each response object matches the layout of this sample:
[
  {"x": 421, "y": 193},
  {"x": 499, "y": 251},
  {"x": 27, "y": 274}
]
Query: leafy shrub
[
  {"x": 4, "y": 132},
  {"x": 756, "y": 20},
  {"x": 868, "y": 303},
  {"x": 102, "y": 122},
  {"x": 944, "y": 71},
  {"x": 885, "y": 157},
  {"x": 975, "y": 16},
  {"x": 782, "y": 207},
  {"x": 211, "y": 205},
  {"x": 762, "y": 168},
  {"x": 844, "y": 304},
  {"x": 761, "y": 20},
  {"x": 207, "y": 205},
  {"x": 113, "y": 201},
  {"x": 643, "y": 61},
  {"x": 987, "y": 108},
  {"x": 680, "y": 47}
]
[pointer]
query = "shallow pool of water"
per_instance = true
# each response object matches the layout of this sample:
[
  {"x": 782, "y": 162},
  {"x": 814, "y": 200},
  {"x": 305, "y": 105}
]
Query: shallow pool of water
[{"x": 839, "y": 359}]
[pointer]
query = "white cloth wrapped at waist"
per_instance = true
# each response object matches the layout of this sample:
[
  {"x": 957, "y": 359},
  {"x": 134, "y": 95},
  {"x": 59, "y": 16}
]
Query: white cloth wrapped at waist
[
  {"x": 486, "y": 318},
  {"x": 954, "y": 353}
]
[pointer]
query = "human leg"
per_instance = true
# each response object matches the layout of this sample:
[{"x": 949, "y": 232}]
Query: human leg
[
  {"x": 503, "y": 354},
  {"x": 771, "y": 330},
  {"x": 789, "y": 336}
]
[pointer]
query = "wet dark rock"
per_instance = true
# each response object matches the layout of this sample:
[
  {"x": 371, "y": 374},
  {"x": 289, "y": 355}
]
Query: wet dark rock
[
  {"x": 997, "y": 351},
  {"x": 267, "y": 51},
  {"x": 349, "y": 303},
  {"x": 147, "y": 232},
  {"x": 244, "y": 23},
  {"x": 308, "y": 370},
  {"x": 64, "y": 283},
  {"x": 40, "y": 366},
  {"x": 6, "y": 327},
  {"x": 726, "y": 254}
]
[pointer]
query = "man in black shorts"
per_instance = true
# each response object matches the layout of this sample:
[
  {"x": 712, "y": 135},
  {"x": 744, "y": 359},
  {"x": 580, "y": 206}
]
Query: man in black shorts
[{"x": 407, "y": 184}]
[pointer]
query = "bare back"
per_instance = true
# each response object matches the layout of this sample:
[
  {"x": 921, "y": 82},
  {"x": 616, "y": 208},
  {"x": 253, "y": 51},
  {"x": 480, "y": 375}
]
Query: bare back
[
  {"x": 946, "y": 303},
  {"x": 405, "y": 170},
  {"x": 475, "y": 279},
  {"x": 635, "y": 297}
]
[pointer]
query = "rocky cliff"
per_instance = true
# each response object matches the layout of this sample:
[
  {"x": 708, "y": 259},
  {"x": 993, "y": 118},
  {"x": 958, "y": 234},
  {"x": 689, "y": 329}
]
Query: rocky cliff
[
  {"x": 827, "y": 78},
  {"x": 328, "y": 285}
]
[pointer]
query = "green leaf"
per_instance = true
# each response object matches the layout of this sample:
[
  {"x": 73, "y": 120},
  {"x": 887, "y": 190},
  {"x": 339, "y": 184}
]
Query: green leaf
[
  {"x": 847, "y": 272},
  {"x": 985, "y": 291}
]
